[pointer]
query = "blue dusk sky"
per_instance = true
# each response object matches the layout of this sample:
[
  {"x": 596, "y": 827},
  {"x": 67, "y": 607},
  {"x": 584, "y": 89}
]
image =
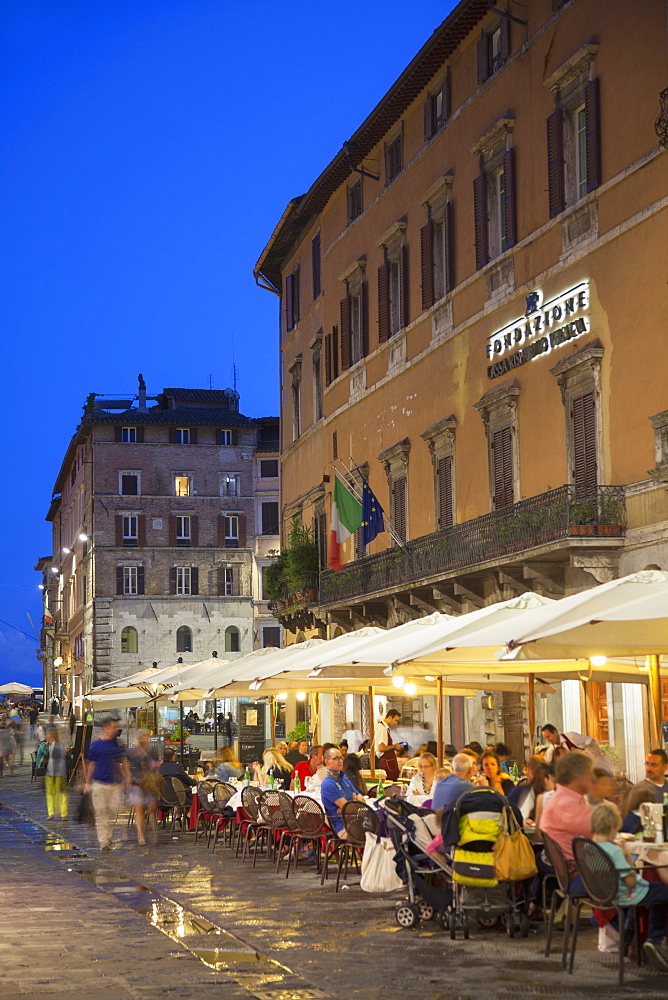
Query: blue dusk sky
[{"x": 147, "y": 150}]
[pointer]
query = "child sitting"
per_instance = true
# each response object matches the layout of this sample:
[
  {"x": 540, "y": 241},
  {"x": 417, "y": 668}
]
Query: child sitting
[{"x": 633, "y": 889}]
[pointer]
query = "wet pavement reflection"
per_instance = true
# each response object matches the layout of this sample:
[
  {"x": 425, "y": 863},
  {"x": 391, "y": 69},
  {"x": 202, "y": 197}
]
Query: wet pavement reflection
[{"x": 215, "y": 947}]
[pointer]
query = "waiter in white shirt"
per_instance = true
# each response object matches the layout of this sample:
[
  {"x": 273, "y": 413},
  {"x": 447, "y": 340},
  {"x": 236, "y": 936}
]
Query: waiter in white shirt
[
  {"x": 573, "y": 741},
  {"x": 382, "y": 743}
]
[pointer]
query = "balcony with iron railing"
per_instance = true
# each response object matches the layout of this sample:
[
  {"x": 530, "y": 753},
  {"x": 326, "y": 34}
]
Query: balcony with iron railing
[{"x": 553, "y": 517}]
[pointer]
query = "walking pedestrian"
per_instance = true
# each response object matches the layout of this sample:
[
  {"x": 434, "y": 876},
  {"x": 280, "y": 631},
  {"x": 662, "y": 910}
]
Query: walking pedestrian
[
  {"x": 55, "y": 779},
  {"x": 142, "y": 794},
  {"x": 229, "y": 732},
  {"x": 33, "y": 715},
  {"x": 107, "y": 771},
  {"x": 7, "y": 747}
]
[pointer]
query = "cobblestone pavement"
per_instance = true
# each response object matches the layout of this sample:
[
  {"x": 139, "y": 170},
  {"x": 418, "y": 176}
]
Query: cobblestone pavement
[{"x": 64, "y": 935}]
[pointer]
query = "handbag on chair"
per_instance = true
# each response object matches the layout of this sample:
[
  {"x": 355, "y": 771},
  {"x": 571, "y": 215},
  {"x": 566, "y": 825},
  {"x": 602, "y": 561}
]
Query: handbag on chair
[{"x": 514, "y": 858}]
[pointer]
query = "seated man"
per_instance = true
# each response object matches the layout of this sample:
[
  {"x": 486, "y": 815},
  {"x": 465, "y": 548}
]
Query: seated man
[
  {"x": 566, "y": 813},
  {"x": 171, "y": 768},
  {"x": 448, "y": 790},
  {"x": 654, "y": 781},
  {"x": 311, "y": 770},
  {"x": 336, "y": 790}
]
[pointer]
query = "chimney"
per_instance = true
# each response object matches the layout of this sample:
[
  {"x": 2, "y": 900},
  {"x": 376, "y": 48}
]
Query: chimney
[{"x": 142, "y": 394}]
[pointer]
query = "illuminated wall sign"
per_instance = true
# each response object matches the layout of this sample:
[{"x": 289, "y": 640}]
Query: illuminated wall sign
[{"x": 544, "y": 326}]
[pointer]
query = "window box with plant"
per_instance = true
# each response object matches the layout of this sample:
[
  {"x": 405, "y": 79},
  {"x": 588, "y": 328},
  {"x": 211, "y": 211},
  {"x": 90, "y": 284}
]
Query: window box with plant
[{"x": 293, "y": 576}]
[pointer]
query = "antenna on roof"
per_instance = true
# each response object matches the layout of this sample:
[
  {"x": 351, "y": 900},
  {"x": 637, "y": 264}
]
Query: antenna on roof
[
  {"x": 234, "y": 377},
  {"x": 210, "y": 383}
]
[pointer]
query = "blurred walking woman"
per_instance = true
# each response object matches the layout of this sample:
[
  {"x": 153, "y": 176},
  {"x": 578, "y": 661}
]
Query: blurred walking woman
[{"x": 55, "y": 779}]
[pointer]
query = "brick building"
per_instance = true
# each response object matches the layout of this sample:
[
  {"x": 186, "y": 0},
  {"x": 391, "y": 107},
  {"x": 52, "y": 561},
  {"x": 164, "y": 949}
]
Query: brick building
[
  {"x": 164, "y": 513},
  {"x": 473, "y": 305}
]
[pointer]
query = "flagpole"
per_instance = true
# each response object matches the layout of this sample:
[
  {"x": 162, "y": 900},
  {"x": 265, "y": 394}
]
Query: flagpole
[{"x": 359, "y": 496}]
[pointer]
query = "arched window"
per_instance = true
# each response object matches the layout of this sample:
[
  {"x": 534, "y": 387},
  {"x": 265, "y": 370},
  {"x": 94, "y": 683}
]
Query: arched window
[
  {"x": 129, "y": 640},
  {"x": 184, "y": 639},
  {"x": 232, "y": 639}
]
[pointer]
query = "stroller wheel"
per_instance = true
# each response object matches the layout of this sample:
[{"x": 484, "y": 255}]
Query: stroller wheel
[
  {"x": 407, "y": 915},
  {"x": 487, "y": 922},
  {"x": 442, "y": 919},
  {"x": 524, "y": 925},
  {"x": 452, "y": 924},
  {"x": 510, "y": 924},
  {"x": 465, "y": 926},
  {"x": 426, "y": 911}
]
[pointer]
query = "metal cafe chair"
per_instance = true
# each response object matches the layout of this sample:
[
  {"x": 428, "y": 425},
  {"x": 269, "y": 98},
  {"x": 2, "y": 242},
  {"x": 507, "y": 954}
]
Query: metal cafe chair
[
  {"x": 290, "y": 828},
  {"x": 206, "y": 811},
  {"x": 601, "y": 880},
  {"x": 222, "y": 793},
  {"x": 313, "y": 829},
  {"x": 557, "y": 859},
  {"x": 268, "y": 832},
  {"x": 358, "y": 818},
  {"x": 250, "y": 803}
]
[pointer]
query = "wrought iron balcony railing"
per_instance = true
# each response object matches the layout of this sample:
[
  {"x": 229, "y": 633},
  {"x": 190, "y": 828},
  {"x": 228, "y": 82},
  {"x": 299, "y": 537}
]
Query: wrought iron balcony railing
[{"x": 548, "y": 517}]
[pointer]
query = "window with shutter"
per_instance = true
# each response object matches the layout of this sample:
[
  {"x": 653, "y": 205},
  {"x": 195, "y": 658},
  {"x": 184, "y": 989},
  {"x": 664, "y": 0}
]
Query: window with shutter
[
  {"x": 593, "y": 136},
  {"x": 129, "y": 485},
  {"x": 383, "y": 303},
  {"x": 194, "y": 580},
  {"x": 509, "y": 208},
  {"x": 119, "y": 580},
  {"x": 345, "y": 311},
  {"x": 355, "y": 200},
  {"x": 583, "y": 417},
  {"x": 399, "y": 506},
  {"x": 328, "y": 359},
  {"x": 140, "y": 579},
  {"x": 445, "y": 504},
  {"x": 335, "y": 352},
  {"x": 393, "y": 158},
  {"x": 315, "y": 264},
  {"x": 242, "y": 530},
  {"x": 269, "y": 515},
  {"x": 437, "y": 109},
  {"x": 502, "y": 462},
  {"x": 555, "y": 163},
  {"x": 427, "y": 264},
  {"x": 480, "y": 220},
  {"x": 289, "y": 301}
]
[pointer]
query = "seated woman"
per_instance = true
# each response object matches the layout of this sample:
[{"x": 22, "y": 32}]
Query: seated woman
[
  {"x": 633, "y": 889},
  {"x": 632, "y": 820},
  {"x": 228, "y": 767},
  {"x": 491, "y": 769},
  {"x": 275, "y": 765},
  {"x": 422, "y": 784},
  {"x": 542, "y": 786},
  {"x": 353, "y": 769}
]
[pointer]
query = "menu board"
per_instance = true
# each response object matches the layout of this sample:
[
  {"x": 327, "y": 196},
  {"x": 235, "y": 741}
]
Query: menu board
[{"x": 251, "y": 731}]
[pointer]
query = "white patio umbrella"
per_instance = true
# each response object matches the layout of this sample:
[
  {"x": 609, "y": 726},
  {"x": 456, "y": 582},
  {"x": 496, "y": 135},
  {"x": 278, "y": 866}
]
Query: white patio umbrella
[{"x": 15, "y": 687}]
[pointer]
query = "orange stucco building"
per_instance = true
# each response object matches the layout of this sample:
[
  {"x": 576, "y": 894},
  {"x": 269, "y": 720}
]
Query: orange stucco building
[{"x": 473, "y": 304}]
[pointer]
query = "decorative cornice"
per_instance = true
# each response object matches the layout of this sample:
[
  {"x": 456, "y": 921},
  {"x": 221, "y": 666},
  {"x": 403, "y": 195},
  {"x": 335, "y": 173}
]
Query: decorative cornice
[
  {"x": 357, "y": 267},
  {"x": 495, "y": 135},
  {"x": 394, "y": 233},
  {"x": 572, "y": 68},
  {"x": 438, "y": 190}
]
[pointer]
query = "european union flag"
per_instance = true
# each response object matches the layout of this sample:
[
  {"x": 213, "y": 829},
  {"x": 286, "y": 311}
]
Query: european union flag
[{"x": 372, "y": 515}]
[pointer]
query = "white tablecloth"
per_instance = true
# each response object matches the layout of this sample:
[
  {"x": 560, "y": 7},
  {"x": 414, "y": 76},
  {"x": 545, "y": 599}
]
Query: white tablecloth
[
  {"x": 648, "y": 854},
  {"x": 235, "y": 801}
]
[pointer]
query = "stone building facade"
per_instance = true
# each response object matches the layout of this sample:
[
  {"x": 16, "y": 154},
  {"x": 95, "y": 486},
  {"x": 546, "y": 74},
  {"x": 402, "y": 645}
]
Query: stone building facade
[{"x": 164, "y": 513}]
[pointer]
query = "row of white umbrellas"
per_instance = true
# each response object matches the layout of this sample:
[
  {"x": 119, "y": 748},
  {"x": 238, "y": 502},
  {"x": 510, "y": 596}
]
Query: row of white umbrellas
[{"x": 605, "y": 633}]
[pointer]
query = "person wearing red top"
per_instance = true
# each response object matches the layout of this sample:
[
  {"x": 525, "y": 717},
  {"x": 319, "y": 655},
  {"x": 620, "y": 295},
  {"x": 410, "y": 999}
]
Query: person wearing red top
[
  {"x": 307, "y": 768},
  {"x": 566, "y": 813}
]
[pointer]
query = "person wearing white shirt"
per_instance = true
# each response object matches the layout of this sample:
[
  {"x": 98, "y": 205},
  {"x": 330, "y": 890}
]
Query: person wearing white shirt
[
  {"x": 573, "y": 741},
  {"x": 422, "y": 784}
]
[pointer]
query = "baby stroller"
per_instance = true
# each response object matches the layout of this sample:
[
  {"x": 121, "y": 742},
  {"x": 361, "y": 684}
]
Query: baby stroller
[
  {"x": 426, "y": 876},
  {"x": 472, "y": 828}
]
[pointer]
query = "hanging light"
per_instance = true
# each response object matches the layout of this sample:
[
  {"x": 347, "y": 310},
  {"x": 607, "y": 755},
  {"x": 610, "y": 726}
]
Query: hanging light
[
  {"x": 301, "y": 696},
  {"x": 54, "y": 569},
  {"x": 410, "y": 689},
  {"x": 398, "y": 681},
  {"x": 58, "y": 662},
  {"x": 83, "y": 537},
  {"x": 598, "y": 661},
  {"x": 428, "y": 678},
  {"x": 282, "y": 697},
  {"x": 66, "y": 551}
]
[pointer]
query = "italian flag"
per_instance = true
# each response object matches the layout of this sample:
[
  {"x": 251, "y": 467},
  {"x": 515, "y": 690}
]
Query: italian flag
[
  {"x": 346, "y": 518},
  {"x": 48, "y": 617}
]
